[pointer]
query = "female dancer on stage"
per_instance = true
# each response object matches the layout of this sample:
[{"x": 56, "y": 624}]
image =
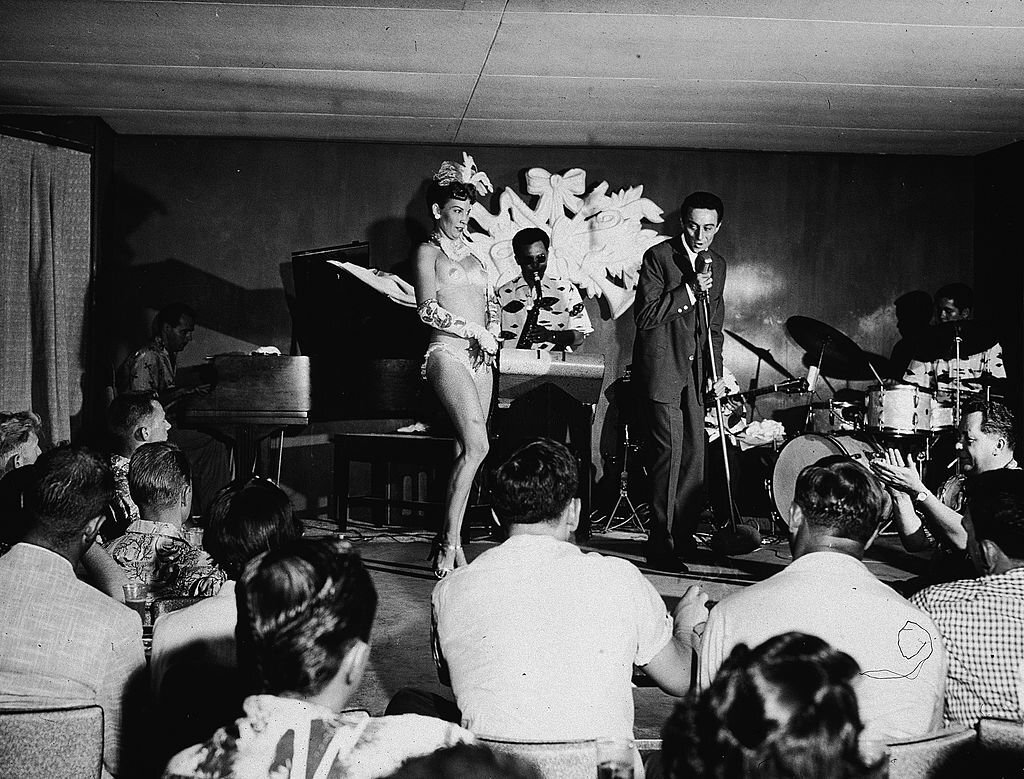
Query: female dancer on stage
[{"x": 455, "y": 298}]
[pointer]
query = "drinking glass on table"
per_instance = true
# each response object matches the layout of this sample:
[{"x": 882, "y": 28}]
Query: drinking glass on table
[
  {"x": 136, "y": 596},
  {"x": 194, "y": 536},
  {"x": 615, "y": 758}
]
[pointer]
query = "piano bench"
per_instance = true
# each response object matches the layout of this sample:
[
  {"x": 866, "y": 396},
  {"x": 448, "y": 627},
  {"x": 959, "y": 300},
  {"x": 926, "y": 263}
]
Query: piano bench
[{"x": 387, "y": 453}]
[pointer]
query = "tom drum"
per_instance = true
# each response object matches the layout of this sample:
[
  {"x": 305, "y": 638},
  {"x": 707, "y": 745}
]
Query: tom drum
[
  {"x": 836, "y": 416},
  {"x": 900, "y": 409},
  {"x": 806, "y": 450}
]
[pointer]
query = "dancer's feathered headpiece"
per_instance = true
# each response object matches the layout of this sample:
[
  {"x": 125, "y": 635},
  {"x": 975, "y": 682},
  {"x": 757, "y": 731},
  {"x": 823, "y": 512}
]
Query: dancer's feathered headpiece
[{"x": 466, "y": 173}]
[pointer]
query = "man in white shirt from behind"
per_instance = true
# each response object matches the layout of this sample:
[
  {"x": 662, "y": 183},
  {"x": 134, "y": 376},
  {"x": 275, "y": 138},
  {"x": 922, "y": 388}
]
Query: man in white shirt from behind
[
  {"x": 540, "y": 639},
  {"x": 827, "y": 591}
]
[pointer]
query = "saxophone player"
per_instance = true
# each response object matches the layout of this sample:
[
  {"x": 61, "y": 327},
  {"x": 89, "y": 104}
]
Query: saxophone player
[{"x": 539, "y": 311}]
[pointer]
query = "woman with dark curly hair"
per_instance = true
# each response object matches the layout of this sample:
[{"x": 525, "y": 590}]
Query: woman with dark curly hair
[
  {"x": 455, "y": 298},
  {"x": 786, "y": 708}
]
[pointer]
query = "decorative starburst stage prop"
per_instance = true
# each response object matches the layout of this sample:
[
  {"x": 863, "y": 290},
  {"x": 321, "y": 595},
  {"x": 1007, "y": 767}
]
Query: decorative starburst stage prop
[{"x": 597, "y": 240}]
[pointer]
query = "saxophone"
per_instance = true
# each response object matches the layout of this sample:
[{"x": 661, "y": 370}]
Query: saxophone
[{"x": 525, "y": 341}]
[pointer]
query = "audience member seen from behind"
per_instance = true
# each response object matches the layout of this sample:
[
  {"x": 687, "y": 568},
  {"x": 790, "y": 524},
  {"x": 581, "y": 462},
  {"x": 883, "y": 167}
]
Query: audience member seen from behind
[
  {"x": 827, "y": 591},
  {"x": 465, "y": 761},
  {"x": 153, "y": 549},
  {"x": 305, "y": 611},
  {"x": 982, "y": 620},
  {"x": 539, "y": 639},
  {"x": 133, "y": 419},
  {"x": 246, "y": 518},
  {"x": 786, "y": 708},
  {"x": 62, "y": 640},
  {"x": 19, "y": 440}
]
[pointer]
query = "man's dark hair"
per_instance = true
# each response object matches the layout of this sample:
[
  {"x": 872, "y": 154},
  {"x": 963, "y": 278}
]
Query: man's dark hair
[
  {"x": 157, "y": 475},
  {"x": 702, "y": 200},
  {"x": 528, "y": 236},
  {"x": 301, "y": 607},
  {"x": 440, "y": 194},
  {"x": 785, "y": 708},
  {"x": 840, "y": 494},
  {"x": 914, "y": 308},
  {"x": 465, "y": 760},
  {"x": 171, "y": 315},
  {"x": 69, "y": 487},
  {"x": 124, "y": 414},
  {"x": 995, "y": 500},
  {"x": 15, "y": 429},
  {"x": 245, "y": 518},
  {"x": 961, "y": 295},
  {"x": 535, "y": 484},
  {"x": 996, "y": 419}
]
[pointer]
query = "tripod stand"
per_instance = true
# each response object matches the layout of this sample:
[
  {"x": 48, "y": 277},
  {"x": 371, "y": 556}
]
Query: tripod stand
[{"x": 632, "y": 520}]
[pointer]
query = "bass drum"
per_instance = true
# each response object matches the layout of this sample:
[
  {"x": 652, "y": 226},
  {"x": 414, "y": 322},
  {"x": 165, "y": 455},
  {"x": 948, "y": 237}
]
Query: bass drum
[{"x": 806, "y": 450}]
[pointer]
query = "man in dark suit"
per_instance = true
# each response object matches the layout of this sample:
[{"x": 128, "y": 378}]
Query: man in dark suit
[{"x": 669, "y": 363}]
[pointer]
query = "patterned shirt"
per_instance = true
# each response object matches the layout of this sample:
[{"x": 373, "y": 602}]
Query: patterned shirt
[
  {"x": 150, "y": 369},
  {"x": 561, "y": 308},
  {"x": 157, "y": 554},
  {"x": 982, "y": 626},
  {"x": 127, "y": 511},
  {"x": 973, "y": 366},
  {"x": 287, "y": 737}
]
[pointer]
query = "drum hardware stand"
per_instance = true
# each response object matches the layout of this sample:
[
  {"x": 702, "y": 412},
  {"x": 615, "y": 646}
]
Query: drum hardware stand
[
  {"x": 812, "y": 379},
  {"x": 632, "y": 520}
]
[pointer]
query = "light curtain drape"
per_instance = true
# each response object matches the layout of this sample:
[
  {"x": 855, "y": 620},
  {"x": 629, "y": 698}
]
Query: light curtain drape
[{"x": 45, "y": 270}]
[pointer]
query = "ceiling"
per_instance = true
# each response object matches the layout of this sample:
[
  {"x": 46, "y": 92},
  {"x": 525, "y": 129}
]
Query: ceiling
[{"x": 873, "y": 76}]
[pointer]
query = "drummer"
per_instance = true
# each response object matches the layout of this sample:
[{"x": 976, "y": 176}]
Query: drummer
[
  {"x": 987, "y": 441},
  {"x": 955, "y": 303}
]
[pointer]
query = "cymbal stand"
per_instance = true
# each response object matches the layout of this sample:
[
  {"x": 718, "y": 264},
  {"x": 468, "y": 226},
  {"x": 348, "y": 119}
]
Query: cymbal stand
[
  {"x": 633, "y": 520},
  {"x": 810, "y": 386},
  {"x": 755, "y": 382},
  {"x": 957, "y": 387}
]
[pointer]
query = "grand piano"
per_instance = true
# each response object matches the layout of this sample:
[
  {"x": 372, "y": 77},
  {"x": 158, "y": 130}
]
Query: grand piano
[{"x": 250, "y": 397}]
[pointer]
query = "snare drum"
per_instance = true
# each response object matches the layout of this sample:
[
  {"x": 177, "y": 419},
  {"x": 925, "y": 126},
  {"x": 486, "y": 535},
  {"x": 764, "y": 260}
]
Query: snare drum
[
  {"x": 806, "y": 450},
  {"x": 835, "y": 416},
  {"x": 900, "y": 409}
]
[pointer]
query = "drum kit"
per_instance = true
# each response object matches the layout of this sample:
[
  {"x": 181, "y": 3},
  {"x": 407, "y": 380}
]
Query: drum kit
[{"x": 891, "y": 414}]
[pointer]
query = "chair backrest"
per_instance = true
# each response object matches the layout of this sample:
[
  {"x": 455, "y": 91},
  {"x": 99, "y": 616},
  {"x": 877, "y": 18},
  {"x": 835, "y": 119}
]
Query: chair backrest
[
  {"x": 943, "y": 753},
  {"x": 1001, "y": 744},
  {"x": 51, "y": 743},
  {"x": 163, "y": 606},
  {"x": 554, "y": 759}
]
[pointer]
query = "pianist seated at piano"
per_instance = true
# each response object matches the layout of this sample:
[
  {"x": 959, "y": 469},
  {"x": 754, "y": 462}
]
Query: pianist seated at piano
[
  {"x": 538, "y": 310},
  {"x": 154, "y": 368}
]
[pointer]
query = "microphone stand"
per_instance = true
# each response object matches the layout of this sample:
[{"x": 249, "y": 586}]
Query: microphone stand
[{"x": 720, "y": 417}]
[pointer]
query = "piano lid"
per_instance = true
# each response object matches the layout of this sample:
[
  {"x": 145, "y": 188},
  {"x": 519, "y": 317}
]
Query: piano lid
[{"x": 259, "y": 387}]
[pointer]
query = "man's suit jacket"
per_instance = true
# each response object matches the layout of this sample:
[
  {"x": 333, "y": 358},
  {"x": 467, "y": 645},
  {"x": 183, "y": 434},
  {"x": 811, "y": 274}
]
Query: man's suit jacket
[{"x": 667, "y": 324}]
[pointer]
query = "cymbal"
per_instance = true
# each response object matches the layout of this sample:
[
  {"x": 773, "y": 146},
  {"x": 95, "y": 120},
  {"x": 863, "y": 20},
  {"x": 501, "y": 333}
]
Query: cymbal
[
  {"x": 975, "y": 383},
  {"x": 763, "y": 354},
  {"x": 937, "y": 342},
  {"x": 855, "y": 367},
  {"x": 817, "y": 338}
]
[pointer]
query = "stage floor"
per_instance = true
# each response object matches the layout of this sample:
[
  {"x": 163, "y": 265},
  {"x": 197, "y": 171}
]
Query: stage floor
[{"x": 396, "y": 557}]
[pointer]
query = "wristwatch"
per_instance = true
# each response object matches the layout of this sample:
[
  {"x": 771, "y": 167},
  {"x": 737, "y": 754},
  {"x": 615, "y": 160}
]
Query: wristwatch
[{"x": 922, "y": 496}]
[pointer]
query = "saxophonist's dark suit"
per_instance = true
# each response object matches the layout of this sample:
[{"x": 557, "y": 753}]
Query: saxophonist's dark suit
[{"x": 669, "y": 356}]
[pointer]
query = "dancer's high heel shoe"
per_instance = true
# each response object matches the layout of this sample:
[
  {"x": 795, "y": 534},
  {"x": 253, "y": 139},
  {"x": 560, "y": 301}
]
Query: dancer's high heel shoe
[{"x": 446, "y": 557}]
